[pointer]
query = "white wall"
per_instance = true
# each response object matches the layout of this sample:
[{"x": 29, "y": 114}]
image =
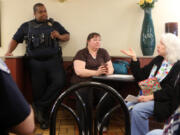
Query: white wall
[{"x": 118, "y": 21}]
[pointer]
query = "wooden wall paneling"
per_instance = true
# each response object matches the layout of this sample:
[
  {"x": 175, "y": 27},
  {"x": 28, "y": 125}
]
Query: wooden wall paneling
[
  {"x": 17, "y": 71},
  {"x": 19, "y": 74}
]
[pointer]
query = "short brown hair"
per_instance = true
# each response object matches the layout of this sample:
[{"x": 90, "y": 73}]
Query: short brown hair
[{"x": 92, "y": 35}]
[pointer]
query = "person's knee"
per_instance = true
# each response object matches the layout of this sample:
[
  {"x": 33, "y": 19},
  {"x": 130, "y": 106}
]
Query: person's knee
[
  {"x": 137, "y": 111},
  {"x": 155, "y": 132}
]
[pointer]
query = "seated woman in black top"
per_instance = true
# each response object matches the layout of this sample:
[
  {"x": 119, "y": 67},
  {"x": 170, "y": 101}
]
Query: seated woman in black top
[
  {"x": 172, "y": 125},
  {"x": 163, "y": 102}
]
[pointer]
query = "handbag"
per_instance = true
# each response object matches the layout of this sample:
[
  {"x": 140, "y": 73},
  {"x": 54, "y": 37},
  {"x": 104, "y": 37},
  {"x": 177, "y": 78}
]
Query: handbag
[
  {"x": 149, "y": 85},
  {"x": 152, "y": 84},
  {"x": 120, "y": 67}
]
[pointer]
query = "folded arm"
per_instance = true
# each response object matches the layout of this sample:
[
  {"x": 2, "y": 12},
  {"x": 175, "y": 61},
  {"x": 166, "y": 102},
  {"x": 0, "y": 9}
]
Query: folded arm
[{"x": 80, "y": 70}]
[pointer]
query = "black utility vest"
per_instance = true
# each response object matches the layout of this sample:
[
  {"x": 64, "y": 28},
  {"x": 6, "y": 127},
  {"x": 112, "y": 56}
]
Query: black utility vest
[{"x": 39, "y": 41}]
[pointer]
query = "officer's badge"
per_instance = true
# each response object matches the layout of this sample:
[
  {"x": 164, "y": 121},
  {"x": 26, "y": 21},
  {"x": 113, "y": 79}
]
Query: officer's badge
[
  {"x": 3, "y": 67},
  {"x": 49, "y": 23}
]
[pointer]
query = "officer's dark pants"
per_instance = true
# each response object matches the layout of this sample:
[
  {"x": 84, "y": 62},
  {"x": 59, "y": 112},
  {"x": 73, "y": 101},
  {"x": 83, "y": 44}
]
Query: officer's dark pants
[
  {"x": 48, "y": 79},
  {"x": 91, "y": 98}
]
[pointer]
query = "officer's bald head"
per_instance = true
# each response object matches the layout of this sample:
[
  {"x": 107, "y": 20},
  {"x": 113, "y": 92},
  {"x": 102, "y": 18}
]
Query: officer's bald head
[{"x": 36, "y": 6}]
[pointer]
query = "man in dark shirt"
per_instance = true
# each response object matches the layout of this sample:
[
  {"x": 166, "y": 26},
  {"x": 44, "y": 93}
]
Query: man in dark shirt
[
  {"x": 15, "y": 115},
  {"x": 44, "y": 61}
]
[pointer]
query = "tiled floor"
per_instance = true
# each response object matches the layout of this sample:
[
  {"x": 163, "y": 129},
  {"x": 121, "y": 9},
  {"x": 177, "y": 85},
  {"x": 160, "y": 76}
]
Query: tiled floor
[{"x": 66, "y": 125}]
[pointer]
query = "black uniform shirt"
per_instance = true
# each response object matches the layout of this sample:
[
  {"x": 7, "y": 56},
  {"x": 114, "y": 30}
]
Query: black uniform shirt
[
  {"x": 14, "y": 108},
  {"x": 23, "y": 31}
]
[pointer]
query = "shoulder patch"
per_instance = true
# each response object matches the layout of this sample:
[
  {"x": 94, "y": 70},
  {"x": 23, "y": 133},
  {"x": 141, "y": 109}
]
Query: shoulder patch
[{"x": 4, "y": 67}]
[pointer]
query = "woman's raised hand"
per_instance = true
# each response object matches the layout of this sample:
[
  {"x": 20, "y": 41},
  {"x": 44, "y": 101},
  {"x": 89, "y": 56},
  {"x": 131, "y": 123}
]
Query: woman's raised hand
[{"x": 130, "y": 53}]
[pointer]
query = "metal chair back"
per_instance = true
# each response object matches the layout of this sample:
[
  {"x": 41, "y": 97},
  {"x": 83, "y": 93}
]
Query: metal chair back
[{"x": 75, "y": 88}]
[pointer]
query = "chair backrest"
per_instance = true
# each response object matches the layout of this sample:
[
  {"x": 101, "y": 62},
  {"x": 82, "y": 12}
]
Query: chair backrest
[{"x": 74, "y": 89}]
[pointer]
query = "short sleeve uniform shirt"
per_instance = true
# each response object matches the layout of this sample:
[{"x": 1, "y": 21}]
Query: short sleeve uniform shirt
[
  {"x": 14, "y": 108},
  {"x": 23, "y": 31}
]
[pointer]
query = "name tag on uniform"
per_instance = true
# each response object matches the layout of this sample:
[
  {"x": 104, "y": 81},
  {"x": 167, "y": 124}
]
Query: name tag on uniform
[{"x": 4, "y": 67}]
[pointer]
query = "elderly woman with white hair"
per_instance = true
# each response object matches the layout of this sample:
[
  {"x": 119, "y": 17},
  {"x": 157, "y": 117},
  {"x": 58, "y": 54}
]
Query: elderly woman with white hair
[{"x": 161, "y": 103}]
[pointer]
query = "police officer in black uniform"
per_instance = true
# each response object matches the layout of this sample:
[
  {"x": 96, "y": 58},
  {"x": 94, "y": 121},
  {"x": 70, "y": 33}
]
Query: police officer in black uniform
[{"x": 42, "y": 36}]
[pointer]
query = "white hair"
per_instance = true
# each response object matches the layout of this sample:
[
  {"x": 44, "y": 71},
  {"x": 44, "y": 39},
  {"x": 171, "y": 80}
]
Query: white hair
[{"x": 172, "y": 43}]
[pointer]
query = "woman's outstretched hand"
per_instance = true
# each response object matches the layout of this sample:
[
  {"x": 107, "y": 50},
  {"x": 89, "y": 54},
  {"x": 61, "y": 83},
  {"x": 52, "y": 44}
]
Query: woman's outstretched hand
[{"x": 130, "y": 53}]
